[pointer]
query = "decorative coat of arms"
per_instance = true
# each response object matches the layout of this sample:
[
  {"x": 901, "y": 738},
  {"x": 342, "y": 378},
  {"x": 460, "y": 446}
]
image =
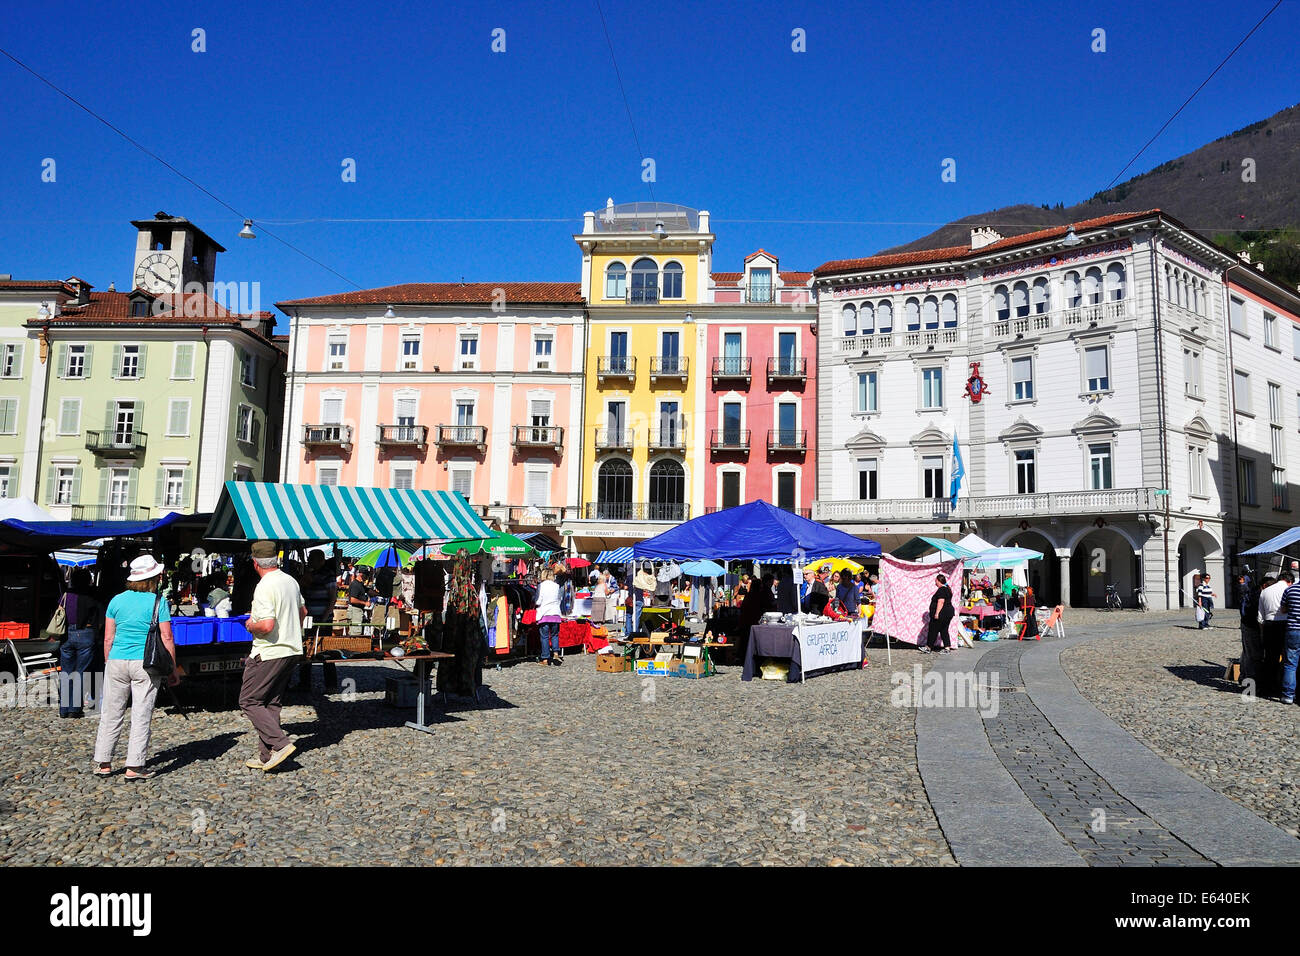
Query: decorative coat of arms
[{"x": 975, "y": 386}]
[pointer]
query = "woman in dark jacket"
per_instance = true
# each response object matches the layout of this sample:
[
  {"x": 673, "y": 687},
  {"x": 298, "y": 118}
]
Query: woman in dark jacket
[{"x": 85, "y": 616}]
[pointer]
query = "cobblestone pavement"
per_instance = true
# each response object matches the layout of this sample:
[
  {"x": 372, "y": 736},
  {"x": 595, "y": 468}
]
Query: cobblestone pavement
[
  {"x": 559, "y": 765},
  {"x": 1098, "y": 823},
  {"x": 1165, "y": 686}
]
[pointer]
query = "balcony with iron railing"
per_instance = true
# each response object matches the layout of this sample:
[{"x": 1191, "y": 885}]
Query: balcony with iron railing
[
  {"x": 732, "y": 368},
  {"x": 539, "y": 436},
  {"x": 403, "y": 435},
  {"x": 667, "y": 366},
  {"x": 787, "y": 441},
  {"x": 615, "y": 439},
  {"x": 462, "y": 435},
  {"x": 332, "y": 436},
  {"x": 112, "y": 512},
  {"x": 787, "y": 367},
  {"x": 118, "y": 441},
  {"x": 675, "y": 511},
  {"x": 729, "y": 440},
  {"x": 1108, "y": 501},
  {"x": 616, "y": 366},
  {"x": 641, "y": 297},
  {"x": 668, "y": 439}
]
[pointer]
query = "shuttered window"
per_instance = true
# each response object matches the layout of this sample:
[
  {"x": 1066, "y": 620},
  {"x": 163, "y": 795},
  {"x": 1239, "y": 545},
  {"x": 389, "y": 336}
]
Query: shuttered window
[
  {"x": 462, "y": 480},
  {"x": 537, "y": 488},
  {"x": 69, "y": 416},
  {"x": 178, "y": 417},
  {"x": 8, "y": 416},
  {"x": 332, "y": 411},
  {"x": 1096, "y": 368},
  {"x": 183, "y": 361}
]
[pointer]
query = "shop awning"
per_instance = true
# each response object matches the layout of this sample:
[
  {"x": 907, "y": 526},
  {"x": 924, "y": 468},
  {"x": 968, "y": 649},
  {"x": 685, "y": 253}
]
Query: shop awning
[
  {"x": 920, "y": 545},
  {"x": 250, "y": 510},
  {"x": 540, "y": 541},
  {"x": 1276, "y": 544},
  {"x": 617, "y": 556}
]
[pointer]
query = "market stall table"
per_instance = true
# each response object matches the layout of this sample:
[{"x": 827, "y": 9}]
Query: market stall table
[{"x": 829, "y": 644}]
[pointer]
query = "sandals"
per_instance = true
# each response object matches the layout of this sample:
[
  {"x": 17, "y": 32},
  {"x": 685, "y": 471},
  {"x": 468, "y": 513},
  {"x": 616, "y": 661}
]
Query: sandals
[
  {"x": 103, "y": 771},
  {"x": 141, "y": 774}
]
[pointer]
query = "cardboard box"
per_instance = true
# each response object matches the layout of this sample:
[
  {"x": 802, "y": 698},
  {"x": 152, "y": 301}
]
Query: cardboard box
[
  {"x": 652, "y": 668},
  {"x": 1233, "y": 671},
  {"x": 690, "y": 668},
  {"x": 612, "y": 663}
]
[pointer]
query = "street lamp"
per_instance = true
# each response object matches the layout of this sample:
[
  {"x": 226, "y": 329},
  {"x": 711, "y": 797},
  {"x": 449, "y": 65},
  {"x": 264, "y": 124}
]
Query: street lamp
[{"x": 247, "y": 231}]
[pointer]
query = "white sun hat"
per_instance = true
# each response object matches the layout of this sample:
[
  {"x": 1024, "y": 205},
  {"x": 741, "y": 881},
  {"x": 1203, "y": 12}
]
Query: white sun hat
[{"x": 144, "y": 567}]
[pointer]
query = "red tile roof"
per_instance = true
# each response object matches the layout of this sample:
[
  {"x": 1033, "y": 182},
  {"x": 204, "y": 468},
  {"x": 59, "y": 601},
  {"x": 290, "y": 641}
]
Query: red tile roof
[
  {"x": 181, "y": 307},
  {"x": 453, "y": 293},
  {"x": 922, "y": 256},
  {"x": 44, "y": 285},
  {"x": 795, "y": 278},
  {"x": 727, "y": 278},
  {"x": 760, "y": 252}
]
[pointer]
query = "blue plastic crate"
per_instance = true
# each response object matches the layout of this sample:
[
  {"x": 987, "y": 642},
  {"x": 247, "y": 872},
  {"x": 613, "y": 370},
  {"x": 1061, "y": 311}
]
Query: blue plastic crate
[
  {"x": 231, "y": 630},
  {"x": 188, "y": 631}
]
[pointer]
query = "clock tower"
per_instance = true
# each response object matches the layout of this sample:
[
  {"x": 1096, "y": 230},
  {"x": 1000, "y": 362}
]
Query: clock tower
[{"x": 171, "y": 253}]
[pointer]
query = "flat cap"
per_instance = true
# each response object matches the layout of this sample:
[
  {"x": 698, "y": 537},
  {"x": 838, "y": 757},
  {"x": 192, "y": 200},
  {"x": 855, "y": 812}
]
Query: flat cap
[{"x": 264, "y": 549}]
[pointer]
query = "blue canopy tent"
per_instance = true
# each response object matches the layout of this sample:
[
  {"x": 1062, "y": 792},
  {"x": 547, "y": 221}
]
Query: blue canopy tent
[
  {"x": 50, "y": 536},
  {"x": 1277, "y": 544},
  {"x": 756, "y": 531}
]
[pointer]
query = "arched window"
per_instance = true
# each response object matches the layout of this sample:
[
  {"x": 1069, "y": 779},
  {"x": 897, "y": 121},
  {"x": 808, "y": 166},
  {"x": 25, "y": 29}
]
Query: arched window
[
  {"x": 1115, "y": 282},
  {"x": 867, "y": 318},
  {"x": 1092, "y": 286},
  {"x": 673, "y": 280},
  {"x": 1169, "y": 285},
  {"x": 930, "y": 313},
  {"x": 1182, "y": 290},
  {"x": 1205, "y": 302},
  {"x": 615, "y": 281},
  {"x": 1073, "y": 299},
  {"x": 614, "y": 490},
  {"x": 645, "y": 281},
  {"x": 1001, "y": 304},
  {"x": 885, "y": 316},
  {"x": 912, "y": 311},
  {"x": 849, "y": 314},
  {"x": 948, "y": 311},
  {"x": 1020, "y": 300},
  {"x": 667, "y": 491},
  {"x": 1041, "y": 297},
  {"x": 1196, "y": 297}
]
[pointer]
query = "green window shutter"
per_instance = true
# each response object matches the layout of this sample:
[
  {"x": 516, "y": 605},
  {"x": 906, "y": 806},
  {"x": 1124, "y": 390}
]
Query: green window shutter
[
  {"x": 75, "y": 497},
  {"x": 160, "y": 490},
  {"x": 14, "y": 471},
  {"x": 69, "y": 416},
  {"x": 61, "y": 365},
  {"x": 187, "y": 489},
  {"x": 117, "y": 361},
  {"x": 8, "y": 416},
  {"x": 184, "y": 361},
  {"x": 257, "y": 434},
  {"x": 103, "y": 486},
  {"x": 49, "y": 486},
  {"x": 179, "y": 417},
  {"x": 86, "y": 363},
  {"x": 110, "y": 417},
  {"x": 19, "y": 348},
  {"x": 133, "y": 487},
  {"x": 144, "y": 350}
]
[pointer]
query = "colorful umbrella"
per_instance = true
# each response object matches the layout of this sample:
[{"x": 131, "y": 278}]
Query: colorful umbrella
[
  {"x": 838, "y": 565},
  {"x": 386, "y": 557},
  {"x": 579, "y": 563},
  {"x": 703, "y": 569},
  {"x": 500, "y": 544}
]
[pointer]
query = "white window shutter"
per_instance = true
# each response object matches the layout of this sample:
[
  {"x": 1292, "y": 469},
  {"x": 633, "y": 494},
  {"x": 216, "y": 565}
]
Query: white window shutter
[
  {"x": 85, "y": 364},
  {"x": 75, "y": 497},
  {"x": 117, "y": 361},
  {"x": 61, "y": 364},
  {"x": 103, "y": 486}
]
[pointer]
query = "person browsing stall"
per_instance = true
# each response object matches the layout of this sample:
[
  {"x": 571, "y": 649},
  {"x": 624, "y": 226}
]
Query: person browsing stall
[
  {"x": 275, "y": 621},
  {"x": 941, "y": 612}
]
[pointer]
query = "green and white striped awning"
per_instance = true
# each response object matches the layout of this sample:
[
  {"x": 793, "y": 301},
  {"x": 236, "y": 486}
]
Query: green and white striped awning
[{"x": 251, "y": 510}]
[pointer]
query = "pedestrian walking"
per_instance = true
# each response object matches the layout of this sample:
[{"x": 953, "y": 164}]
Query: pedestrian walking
[
  {"x": 1291, "y": 608},
  {"x": 941, "y": 611},
  {"x": 85, "y": 616},
  {"x": 126, "y": 626},
  {"x": 548, "y": 618},
  {"x": 275, "y": 621},
  {"x": 1204, "y": 601}
]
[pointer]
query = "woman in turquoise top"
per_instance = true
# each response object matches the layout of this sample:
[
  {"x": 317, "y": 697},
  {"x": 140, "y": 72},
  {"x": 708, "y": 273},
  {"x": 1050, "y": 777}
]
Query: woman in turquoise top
[{"x": 126, "y": 626}]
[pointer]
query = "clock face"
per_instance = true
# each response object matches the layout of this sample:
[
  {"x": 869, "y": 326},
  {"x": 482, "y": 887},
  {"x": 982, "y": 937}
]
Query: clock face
[{"x": 159, "y": 273}]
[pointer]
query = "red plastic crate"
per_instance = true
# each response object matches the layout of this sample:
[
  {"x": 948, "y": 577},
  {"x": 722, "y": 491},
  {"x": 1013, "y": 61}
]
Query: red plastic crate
[{"x": 13, "y": 631}]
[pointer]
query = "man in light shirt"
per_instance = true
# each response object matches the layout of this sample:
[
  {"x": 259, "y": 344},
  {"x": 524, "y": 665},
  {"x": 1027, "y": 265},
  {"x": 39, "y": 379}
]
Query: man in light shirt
[
  {"x": 1272, "y": 621},
  {"x": 275, "y": 621}
]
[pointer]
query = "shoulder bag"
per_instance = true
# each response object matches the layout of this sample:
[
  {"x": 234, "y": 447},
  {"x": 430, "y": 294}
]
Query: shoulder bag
[
  {"x": 59, "y": 622},
  {"x": 157, "y": 661}
]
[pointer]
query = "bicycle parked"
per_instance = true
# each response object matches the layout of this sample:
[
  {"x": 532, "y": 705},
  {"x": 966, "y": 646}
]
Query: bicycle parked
[{"x": 1113, "y": 601}]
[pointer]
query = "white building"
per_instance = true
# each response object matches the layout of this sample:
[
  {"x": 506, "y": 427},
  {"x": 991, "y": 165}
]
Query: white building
[{"x": 1086, "y": 375}]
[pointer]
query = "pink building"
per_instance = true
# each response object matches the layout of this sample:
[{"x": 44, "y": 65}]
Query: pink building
[
  {"x": 474, "y": 387},
  {"x": 760, "y": 398}
]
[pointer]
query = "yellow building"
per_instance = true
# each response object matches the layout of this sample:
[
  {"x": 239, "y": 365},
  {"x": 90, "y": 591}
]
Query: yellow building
[{"x": 645, "y": 266}]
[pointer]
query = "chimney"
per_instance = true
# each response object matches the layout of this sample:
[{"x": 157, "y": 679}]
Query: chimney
[
  {"x": 983, "y": 236},
  {"x": 588, "y": 222},
  {"x": 704, "y": 220}
]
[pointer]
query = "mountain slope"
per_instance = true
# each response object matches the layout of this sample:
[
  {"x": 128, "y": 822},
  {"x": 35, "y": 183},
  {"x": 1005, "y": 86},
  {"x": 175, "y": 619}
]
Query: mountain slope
[{"x": 1203, "y": 189}]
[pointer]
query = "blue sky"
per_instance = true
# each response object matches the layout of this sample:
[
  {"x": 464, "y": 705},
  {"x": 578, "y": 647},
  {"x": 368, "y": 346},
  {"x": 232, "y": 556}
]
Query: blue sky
[{"x": 856, "y": 128}]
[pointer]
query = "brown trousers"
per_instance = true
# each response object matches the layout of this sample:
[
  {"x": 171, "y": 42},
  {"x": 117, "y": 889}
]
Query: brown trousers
[{"x": 259, "y": 698}]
